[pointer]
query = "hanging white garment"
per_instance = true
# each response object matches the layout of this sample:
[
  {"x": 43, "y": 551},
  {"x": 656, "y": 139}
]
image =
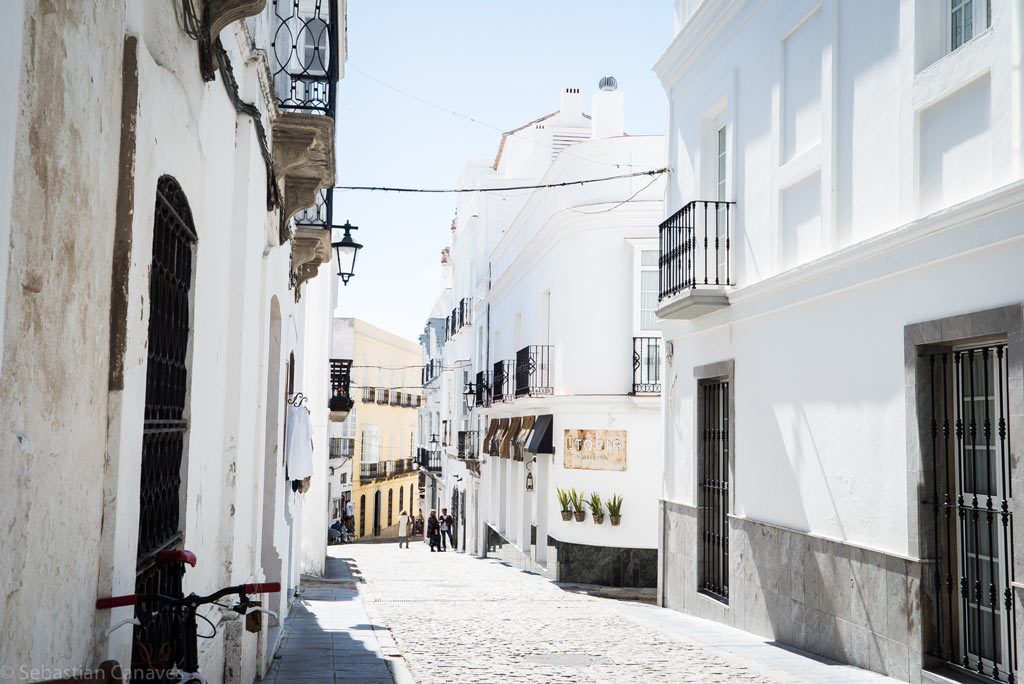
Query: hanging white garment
[{"x": 299, "y": 443}]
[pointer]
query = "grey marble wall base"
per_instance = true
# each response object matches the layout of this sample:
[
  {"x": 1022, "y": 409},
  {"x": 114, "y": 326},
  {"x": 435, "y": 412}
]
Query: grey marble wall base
[{"x": 850, "y": 604}]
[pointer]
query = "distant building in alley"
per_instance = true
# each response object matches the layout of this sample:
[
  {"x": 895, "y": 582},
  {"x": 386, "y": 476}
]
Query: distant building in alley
[
  {"x": 375, "y": 448},
  {"x": 548, "y": 374},
  {"x": 841, "y": 297}
]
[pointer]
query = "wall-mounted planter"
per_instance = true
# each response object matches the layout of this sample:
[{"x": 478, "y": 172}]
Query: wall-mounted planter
[
  {"x": 598, "y": 519},
  {"x": 580, "y": 515},
  {"x": 616, "y": 519},
  {"x": 566, "y": 516}
]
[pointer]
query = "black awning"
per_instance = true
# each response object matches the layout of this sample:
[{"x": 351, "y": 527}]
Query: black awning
[{"x": 540, "y": 439}]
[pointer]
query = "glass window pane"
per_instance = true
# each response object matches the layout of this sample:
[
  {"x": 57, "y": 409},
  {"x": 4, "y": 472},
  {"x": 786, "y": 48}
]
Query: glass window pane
[{"x": 649, "y": 258}]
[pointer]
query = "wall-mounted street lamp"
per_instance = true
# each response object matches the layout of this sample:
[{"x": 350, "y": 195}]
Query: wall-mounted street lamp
[
  {"x": 346, "y": 252},
  {"x": 470, "y": 395}
]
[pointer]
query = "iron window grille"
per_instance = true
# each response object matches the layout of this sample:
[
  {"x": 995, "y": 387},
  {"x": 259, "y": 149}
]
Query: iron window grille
[
  {"x": 971, "y": 489},
  {"x": 341, "y": 376},
  {"x": 713, "y": 515},
  {"x": 504, "y": 375},
  {"x": 533, "y": 371},
  {"x": 695, "y": 247},
  {"x": 383, "y": 395},
  {"x": 467, "y": 444},
  {"x": 369, "y": 394},
  {"x": 164, "y": 420},
  {"x": 646, "y": 365}
]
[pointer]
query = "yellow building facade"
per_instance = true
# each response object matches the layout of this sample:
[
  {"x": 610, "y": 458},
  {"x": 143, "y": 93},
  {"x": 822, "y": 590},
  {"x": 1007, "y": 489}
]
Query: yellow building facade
[{"x": 385, "y": 385}]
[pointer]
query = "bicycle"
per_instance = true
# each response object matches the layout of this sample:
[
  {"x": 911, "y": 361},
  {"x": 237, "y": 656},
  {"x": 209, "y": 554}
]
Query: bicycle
[{"x": 186, "y": 632}]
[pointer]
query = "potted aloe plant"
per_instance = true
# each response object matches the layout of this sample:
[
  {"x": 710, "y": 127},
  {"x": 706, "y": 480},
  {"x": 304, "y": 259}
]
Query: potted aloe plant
[
  {"x": 578, "y": 500},
  {"x": 596, "y": 508},
  {"x": 615, "y": 509},
  {"x": 565, "y": 502},
  {"x": 339, "y": 405}
]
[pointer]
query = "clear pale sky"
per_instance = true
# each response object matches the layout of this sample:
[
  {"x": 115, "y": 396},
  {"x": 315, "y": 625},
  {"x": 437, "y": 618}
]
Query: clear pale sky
[{"x": 503, "y": 63}]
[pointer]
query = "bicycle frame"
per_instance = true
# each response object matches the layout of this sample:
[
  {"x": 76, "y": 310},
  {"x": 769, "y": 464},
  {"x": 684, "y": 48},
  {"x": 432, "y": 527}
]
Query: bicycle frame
[{"x": 186, "y": 607}]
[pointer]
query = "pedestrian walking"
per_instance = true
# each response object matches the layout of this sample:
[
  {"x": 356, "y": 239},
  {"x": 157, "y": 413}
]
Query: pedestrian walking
[
  {"x": 442, "y": 521},
  {"x": 434, "y": 532},
  {"x": 404, "y": 524},
  {"x": 448, "y": 526}
]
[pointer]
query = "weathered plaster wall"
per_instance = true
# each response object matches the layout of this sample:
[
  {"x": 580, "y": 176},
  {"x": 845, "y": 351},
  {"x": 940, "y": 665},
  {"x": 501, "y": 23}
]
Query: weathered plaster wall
[{"x": 54, "y": 377}]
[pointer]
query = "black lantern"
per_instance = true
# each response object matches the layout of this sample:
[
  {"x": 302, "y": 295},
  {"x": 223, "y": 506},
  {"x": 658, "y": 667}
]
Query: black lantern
[
  {"x": 470, "y": 394},
  {"x": 346, "y": 252}
]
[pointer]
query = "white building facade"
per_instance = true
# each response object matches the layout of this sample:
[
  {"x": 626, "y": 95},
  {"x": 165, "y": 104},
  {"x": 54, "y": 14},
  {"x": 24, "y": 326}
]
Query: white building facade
[
  {"x": 151, "y": 332},
  {"x": 551, "y": 362},
  {"x": 842, "y": 317}
]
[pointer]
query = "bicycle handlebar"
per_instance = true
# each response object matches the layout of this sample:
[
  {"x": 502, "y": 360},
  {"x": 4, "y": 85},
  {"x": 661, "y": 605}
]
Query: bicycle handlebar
[{"x": 241, "y": 590}]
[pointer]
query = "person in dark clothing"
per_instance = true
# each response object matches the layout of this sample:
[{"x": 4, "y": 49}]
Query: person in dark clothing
[
  {"x": 447, "y": 528},
  {"x": 434, "y": 532}
]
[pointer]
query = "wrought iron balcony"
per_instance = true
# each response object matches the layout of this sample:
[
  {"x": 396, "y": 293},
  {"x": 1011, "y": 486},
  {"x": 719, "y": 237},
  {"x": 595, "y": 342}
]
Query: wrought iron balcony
[
  {"x": 385, "y": 469},
  {"x": 383, "y": 395},
  {"x": 340, "y": 400},
  {"x": 342, "y": 447},
  {"x": 646, "y": 365},
  {"x": 533, "y": 371},
  {"x": 695, "y": 263},
  {"x": 304, "y": 65},
  {"x": 502, "y": 380},
  {"x": 483, "y": 389},
  {"x": 429, "y": 460},
  {"x": 431, "y": 371},
  {"x": 467, "y": 444},
  {"x": 303, "y": 55},
  {"x": 369, "y": 395}
]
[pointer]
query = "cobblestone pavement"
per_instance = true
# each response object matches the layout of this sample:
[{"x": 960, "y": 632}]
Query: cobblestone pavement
[{"x": 455, "y": 618}]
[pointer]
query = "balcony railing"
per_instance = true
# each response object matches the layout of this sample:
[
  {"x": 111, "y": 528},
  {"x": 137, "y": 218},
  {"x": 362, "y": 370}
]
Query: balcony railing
[
  {"x": 429, "y": 460},
  {"x": 696, "y": 247},
  {"x": 533, "y": 371},
  {"x": 431, "y": 371},
  {"x": 483, "y": 389},
  {"x": 383, "y": 396},
  {"x": 369, "y": 394},
  {"x": 303, "y": 62},
  {"x": 341, "y": 380},
  {"x": 467, "y": 444},
  {"x": 646, "y": 365},
  {"x": 341, "y": 447},
  {"x": 383, "y": 469},
  {"x": 502, "y": 379}
]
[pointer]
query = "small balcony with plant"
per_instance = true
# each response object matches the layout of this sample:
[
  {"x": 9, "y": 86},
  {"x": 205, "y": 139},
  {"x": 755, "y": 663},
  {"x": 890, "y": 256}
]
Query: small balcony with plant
[{"x": 340, "y": 402}]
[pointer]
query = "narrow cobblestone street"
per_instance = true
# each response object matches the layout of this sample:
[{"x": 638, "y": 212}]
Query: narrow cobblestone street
[{"x": 409, "y": 615}]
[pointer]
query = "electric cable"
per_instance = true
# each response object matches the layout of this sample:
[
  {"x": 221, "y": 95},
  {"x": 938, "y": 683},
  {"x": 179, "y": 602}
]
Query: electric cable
[
  {"x": 613, "y": 208},
  {"x": 584, "y": 181}
]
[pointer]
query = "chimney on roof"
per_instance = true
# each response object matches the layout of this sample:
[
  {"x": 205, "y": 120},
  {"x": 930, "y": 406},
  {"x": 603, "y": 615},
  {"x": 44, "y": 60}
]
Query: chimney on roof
[
  {"x": 608, "y": 110},
  {"x": 571, "y": 110}
]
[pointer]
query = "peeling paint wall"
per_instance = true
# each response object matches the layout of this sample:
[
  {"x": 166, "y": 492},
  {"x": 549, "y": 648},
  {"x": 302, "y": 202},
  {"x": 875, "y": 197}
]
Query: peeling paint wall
[{"x": 55, "y": 325}]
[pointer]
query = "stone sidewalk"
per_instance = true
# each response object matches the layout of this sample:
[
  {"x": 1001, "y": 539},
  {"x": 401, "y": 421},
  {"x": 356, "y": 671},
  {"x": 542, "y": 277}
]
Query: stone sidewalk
[
  {"x": 409, "y": 615},
  {"x": 329, "y": 637}
]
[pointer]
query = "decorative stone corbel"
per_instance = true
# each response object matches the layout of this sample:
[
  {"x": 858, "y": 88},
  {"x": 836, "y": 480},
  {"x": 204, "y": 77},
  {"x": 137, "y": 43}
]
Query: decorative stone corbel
[
  {"x": 303, "y": 159},
  {"x": 223, "y": 12},
  {"x": 311, "y": 247}
]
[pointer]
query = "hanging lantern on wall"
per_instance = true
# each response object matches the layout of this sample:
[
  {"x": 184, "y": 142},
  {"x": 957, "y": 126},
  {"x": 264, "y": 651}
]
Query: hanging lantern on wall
[{"x": 529, "y": 481}]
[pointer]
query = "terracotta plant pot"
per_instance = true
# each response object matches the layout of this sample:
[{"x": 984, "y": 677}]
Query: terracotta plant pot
[
  {"x": 615, "y": 519},
  {"x": 580, "y": 515},
  {"x": 566, "y": 516},
  {"x": 598, "y": 519}
]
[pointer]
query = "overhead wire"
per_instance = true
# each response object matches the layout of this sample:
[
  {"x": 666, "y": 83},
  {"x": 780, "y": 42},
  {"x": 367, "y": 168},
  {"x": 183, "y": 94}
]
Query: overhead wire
[
  {"x": 562, "y": 184},
  {"x": 613, "y": 208}
]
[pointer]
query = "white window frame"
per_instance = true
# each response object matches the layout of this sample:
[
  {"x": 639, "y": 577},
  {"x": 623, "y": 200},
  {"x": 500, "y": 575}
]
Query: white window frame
[
  {"x": 980, "y": 11},
  {"x": 639, "y": 247}
]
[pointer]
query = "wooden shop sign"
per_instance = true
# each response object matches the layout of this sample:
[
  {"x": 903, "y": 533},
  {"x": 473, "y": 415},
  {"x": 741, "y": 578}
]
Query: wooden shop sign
[{"x": 595, "y": 449}]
